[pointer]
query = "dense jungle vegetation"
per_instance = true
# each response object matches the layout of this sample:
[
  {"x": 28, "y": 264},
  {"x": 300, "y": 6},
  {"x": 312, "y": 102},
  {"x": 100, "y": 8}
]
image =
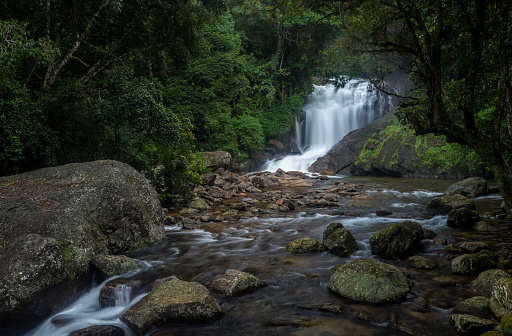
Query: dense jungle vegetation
[{"x": 151, "y": 82}]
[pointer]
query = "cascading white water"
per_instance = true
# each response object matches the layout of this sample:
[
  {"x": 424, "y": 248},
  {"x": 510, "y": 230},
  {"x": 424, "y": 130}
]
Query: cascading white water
[{"x": 330, "y": 114}]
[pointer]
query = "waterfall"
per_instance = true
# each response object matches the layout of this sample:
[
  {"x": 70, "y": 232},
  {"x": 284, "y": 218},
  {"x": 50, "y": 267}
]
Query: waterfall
[{"x": 330, "y": 114}]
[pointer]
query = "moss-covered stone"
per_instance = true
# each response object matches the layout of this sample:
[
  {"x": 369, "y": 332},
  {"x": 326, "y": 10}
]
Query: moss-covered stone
[
  {"x": 442, "y": 205},
  {"x": 305, "y": 245},
  {"x": 397, "y": 240},
  {"x": 473, "y": 263},
  {"x": 497, "y": 309},
  {"x": 339, "y": 241},
  {"x": 172, "y": 300},
  {"x": 369, "y": 280},
  {"x": 396, "y": 151}
]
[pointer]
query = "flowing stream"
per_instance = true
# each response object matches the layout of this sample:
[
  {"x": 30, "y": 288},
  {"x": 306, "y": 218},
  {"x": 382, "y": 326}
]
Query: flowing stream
[
  {"x": 296, "y": 284},
  {"x": 329, "y": 115}
]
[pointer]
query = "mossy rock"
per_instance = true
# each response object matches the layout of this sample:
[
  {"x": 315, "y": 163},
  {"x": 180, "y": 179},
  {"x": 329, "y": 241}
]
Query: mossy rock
[
  {"x": 477, "y": 306},
  {"x": 339, "y": 241},
  {"x": 172, "y": 299},
  {"x": 369, "y": 280},
  {"x": 473, "y": 263},
  {"x": 397, "y": 240},
  {"x": 305, "y": 245}
]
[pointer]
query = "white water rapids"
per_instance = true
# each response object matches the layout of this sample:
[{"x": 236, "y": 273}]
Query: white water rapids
[{"x": 330, "y": 114}]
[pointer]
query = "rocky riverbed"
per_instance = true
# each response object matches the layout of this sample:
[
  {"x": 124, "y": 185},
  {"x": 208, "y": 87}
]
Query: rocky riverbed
[{"x": 228, "y": 255}]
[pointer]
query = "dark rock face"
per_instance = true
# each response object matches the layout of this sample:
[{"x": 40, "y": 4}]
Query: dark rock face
[
  {"x": 101, "y": 330},
  {"x": 53, "y": 221},
  {"x": 397, "y": 240},
  {"x": 343, "y": 155}
]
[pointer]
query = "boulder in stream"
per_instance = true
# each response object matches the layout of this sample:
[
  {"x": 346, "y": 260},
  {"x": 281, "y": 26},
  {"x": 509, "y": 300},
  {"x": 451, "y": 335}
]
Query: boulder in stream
[
  {"x": 339, "y": 241},
  {"x": 470, "y": 187},
  {"x": 462, "y": 217},
  {"x": 476, "y": 305},
  {"x": 369, "y": 280},
  {"x": 397, "y": 240},
  {"x": 54, "y": 221},
  {"x": 234, "y": 283},
  {"x": 172, "y": 299},
  {"x": 442, "y": 205},
  {"x": 422, "y": 262}
]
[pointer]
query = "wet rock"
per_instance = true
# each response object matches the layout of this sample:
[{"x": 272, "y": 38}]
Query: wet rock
[
  {"x": 485, "y": 281},
  {"x": 369, "y": 280},
  {"x": 234, "y": 283},
  {"x": 477, "y": 305},
  {"x": 53, "y": 221},
  {"x": 462, "y": 218},
  {"x": 172, "y": 300},
  {"x": 471, "y": 325},
  {"x": 422, "y": 262},
  {"x": 119, "y": 291},
  {"x": 217, "y": 159},
  {"x": 305, "y": 245},
  {"x": 442, "y": 205},
  {"x": 502, "y": 292},
  {"x": 472, "y": 246},
  {"x": 293, "y": 320},
  {"x": 473, "y": 263},
  {"x": 470, "y": 187},
  {"x": 100, "y": 330},
  {"x": 383, "y": 213},
  {"x": 330, "y": 197},
  {"x": 339, "y": 241},
  {"x": 493, "y": 333},
  {"x": 397, "y": 240},
  {"x": 110, "y": 265},
  {"x": 419, "y": 304}
]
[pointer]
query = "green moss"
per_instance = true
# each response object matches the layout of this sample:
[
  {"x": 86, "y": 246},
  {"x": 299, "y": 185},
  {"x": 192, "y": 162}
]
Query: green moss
[
  {"x": 431, "y": 152},
  {"x": 506, "y": 324},
  {"x": 68, "y": 262}
]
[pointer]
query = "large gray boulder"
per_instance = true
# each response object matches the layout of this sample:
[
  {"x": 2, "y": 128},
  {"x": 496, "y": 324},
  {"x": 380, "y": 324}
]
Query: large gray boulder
[
  {"x": 369, "y": 280},
  {"x": 470, "y": 187},
  {"x": 54, "y": 221},
  {"x": 235, "y": 282},
  {"x": 397, "y": 240},
  {"x": 442, "y": 205},
  {"x": 473, "y": 263},
  {"x": 172, "y": 299}
]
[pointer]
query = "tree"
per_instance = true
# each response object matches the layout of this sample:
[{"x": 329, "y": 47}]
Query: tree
[{"x": 459, "y": 52}]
